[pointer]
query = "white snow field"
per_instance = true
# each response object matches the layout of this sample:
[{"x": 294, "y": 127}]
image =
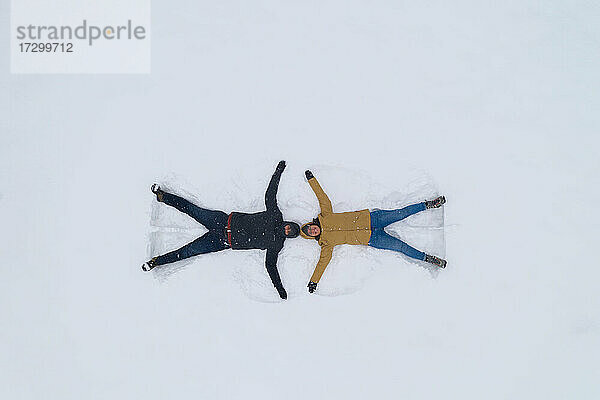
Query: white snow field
[{"x": 494, "y": 104}]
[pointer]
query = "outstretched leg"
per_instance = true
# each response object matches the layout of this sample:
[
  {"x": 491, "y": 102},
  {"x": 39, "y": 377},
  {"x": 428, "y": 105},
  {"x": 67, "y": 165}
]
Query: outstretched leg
[
  {"x": 382, "y": 218},
  {"x": 211, "y": 219},
  {"x": 382, "y": 240},
  {"x": 210, "y": 242}
]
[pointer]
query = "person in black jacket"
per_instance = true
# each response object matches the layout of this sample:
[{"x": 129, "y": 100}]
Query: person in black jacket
[{"x": 265, "y": 230}]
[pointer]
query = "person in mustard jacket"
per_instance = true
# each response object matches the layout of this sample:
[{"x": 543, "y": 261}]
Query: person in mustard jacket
[{"x": 362, "y": 227}]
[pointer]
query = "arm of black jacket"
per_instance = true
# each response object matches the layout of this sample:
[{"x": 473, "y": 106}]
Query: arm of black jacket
[
  {"x": 271, "y": 264},
  {"x": 271, "y": 193}
]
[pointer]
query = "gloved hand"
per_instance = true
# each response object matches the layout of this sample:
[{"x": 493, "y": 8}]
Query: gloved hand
[
  {"x": 281, "y": 166},
  {"x": 312, "y": 287},
  {"x": 283, "y": 294},
  {"x": 308, "y": 174}
]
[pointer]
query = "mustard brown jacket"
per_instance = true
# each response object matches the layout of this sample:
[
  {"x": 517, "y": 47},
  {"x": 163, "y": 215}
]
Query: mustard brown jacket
[{"x": 352, "y": 227}]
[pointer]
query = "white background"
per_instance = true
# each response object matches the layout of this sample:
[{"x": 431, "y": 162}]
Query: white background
[{"x": 499, "y": 102}]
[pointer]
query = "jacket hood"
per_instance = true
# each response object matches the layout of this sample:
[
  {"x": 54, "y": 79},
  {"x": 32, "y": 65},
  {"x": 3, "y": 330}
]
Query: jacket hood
[{"x": 304, "y": 235}]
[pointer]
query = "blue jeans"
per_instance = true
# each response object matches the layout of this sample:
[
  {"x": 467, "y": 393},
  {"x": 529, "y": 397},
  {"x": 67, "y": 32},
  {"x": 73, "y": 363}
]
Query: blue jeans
[
  {"x": 210, "y": 242},
  {"x": 380, "y": 239}
]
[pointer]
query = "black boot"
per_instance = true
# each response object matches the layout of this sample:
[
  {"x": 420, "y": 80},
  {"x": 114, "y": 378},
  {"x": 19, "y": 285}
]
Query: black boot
[
  {"x": 147, "y": 266},
  {"x": 157, "y": 191},
  {"x": 435, "y": 261},
  {"x": 435, "y": 203}
]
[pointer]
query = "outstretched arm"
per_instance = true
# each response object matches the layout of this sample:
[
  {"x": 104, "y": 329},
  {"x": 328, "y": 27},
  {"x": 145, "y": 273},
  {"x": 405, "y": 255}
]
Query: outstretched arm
[
  {"x": 324, "y": 201},
  {"x": 271, "y": 193},
  {"x": 271, "y": 264},
  {"x": 326, "y": 253}
]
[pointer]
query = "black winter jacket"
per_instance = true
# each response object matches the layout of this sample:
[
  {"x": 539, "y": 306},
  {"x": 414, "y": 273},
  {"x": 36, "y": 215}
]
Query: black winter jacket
[{"x": 263, "y": 230}]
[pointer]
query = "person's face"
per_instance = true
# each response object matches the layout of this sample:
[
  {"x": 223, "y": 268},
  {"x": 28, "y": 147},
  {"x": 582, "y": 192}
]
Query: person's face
[
  {"x": 314, "y": 230},
  {"x": 287, "y": 229}
]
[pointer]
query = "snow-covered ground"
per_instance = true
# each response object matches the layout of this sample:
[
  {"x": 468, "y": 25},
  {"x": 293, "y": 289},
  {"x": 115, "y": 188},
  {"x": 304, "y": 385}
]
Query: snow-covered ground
[{"x": 495, "y": 105}]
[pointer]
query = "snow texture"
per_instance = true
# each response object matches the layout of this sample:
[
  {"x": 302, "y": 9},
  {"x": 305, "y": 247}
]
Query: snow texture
[{"x": 496, "y": 101}]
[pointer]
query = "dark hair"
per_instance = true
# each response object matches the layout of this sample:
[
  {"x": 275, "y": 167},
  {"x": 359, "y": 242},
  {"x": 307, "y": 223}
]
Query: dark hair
[
  {"x": 294, "y": 229},
  {"x": 305, "y": 229}
]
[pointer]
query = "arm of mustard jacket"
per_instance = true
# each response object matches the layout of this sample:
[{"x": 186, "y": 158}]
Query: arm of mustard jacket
[
  {"x": 324, "y": 201},
  {"x": 326, "y": 253}
]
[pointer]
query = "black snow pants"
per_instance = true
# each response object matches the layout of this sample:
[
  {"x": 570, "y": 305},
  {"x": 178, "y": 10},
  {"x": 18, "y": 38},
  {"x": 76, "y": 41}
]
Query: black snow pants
[{"x": 212, "y": 241}]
